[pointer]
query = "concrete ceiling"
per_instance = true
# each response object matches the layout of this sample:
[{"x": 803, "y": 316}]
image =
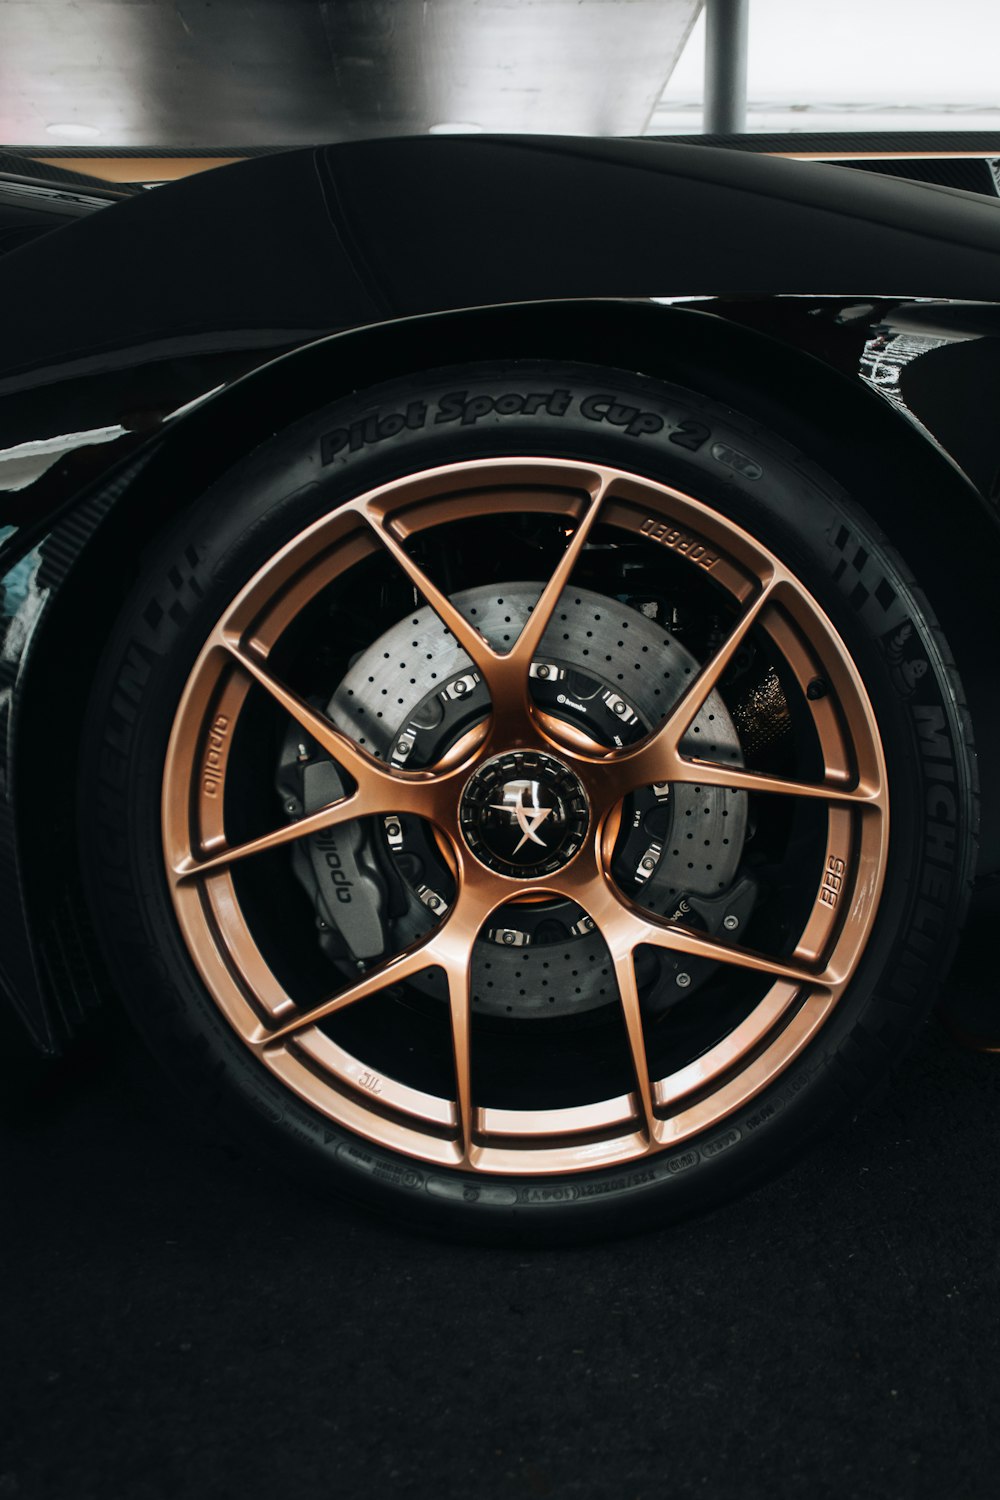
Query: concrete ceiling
[{"x": 202, "y": 73}]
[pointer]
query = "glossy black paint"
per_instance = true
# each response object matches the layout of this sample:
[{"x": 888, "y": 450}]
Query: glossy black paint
[{"x": 422, "y": 251}]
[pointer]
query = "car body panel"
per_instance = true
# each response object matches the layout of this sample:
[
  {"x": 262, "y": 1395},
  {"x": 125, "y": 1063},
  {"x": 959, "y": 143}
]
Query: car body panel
[{"x": 151, "y": 341}]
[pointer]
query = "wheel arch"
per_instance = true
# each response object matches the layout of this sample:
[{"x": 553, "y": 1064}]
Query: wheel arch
[{"x": 783, "y": 387}]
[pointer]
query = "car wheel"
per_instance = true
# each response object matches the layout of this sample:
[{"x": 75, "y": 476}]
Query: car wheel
[{"x": 535, "y": 797}]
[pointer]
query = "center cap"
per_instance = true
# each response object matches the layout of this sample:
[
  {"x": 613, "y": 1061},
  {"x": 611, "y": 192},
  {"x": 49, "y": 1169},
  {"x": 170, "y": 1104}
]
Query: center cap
[{"x": 524, "y": 814}]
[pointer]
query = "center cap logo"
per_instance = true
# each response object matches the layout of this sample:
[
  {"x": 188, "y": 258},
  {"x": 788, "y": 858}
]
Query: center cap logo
[{"x": 524, "y": 814}]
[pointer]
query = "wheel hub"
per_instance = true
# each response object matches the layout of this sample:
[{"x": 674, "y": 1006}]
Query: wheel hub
[{"x": 524, "y": 815}]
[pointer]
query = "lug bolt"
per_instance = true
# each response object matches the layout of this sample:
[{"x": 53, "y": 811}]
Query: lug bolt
[
  {"x": 393, "y": 830},
  {"x": 543, "y": 671},
  {"x": 683, "y": 980},
  {"x": 648, "y": 863},
  {"x": 508, "y": 937},
  {"x": 816, "y": 689},
  {"x": 291, "y": 807},
  {"x": 731, "y": 922}
]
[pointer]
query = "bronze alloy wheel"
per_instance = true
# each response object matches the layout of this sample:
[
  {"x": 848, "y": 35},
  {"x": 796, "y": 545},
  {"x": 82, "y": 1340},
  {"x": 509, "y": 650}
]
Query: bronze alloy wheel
[
  {"x": 525, "y": 818},
  {"x": 578, "y": 786}
]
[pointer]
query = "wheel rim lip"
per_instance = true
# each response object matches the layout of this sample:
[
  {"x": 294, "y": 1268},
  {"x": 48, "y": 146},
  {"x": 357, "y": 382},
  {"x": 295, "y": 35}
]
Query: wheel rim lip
[{"x": 417, "y": 1124}]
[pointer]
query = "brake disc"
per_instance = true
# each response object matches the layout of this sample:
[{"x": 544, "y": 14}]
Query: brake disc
[{"x": 602, "y": 666}]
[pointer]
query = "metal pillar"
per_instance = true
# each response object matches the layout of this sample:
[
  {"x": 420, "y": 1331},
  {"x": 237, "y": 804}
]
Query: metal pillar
[{"x": 726, "y": 26}]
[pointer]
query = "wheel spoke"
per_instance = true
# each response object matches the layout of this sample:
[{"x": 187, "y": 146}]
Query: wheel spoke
[
  {"x": 632, "y": 1011},
  {"x": 364, "y": 768},
  {"x": 412, "y": 960},
  {"x": 693, "y": 944},
  {"x": 655, "y": 758},
  {"x": 738, "y": 779},
  {"x": 476, "y": 647},
  {"x": 341, "y": 811},
  {"x": 459, "y": 999},
  {"x": 524, "y": 648}
]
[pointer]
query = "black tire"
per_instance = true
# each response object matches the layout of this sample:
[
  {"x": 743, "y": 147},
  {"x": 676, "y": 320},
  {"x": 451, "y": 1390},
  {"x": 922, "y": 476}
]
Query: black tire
[{"x": 752, "y": 476}]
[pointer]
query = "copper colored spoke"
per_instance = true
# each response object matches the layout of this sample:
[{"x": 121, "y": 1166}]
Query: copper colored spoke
[
  {"x": 364, "y": 768},
  {"x": 478, "y": 649},
  {"x": 341, "y": 811},
  {"x": 411, "y": 961},
  {"x": 684, "y": 940},
  {"x": 459, "y": 999},
  {"x": 655, "y": 758},
  {"x": 528, "y": 642},
  {"x": 632, "y": 1011},
  {"x": 738, "y": 779}
]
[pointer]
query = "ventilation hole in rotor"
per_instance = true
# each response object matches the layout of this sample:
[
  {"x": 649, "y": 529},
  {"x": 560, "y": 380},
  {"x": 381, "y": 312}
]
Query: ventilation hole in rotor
[{"x": 589, "y": 634}]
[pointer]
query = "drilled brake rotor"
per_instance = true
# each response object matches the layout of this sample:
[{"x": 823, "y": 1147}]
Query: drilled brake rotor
[{"x": 610, "y": 671}]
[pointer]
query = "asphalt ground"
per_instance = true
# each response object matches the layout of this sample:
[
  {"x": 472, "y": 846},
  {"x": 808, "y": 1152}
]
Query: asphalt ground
[{"x": 178, "y": 1320}]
